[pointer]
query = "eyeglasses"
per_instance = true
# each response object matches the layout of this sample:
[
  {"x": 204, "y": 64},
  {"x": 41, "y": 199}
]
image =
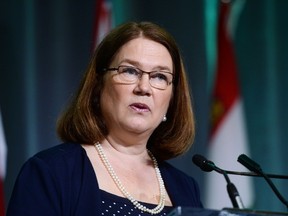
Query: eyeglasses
[{"x": 130, "y": 75}]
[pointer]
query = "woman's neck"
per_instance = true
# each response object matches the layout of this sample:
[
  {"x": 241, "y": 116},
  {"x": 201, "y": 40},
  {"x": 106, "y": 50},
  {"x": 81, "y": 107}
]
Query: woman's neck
[{"x": 135, "y": 146}]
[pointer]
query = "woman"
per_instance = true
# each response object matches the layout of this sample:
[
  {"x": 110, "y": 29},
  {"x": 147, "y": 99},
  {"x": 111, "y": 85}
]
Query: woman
[{"x": 131, "y": 113}]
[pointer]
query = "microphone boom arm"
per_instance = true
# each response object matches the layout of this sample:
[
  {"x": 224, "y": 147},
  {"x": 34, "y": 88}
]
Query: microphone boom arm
[{"x": 256, "y": 175}]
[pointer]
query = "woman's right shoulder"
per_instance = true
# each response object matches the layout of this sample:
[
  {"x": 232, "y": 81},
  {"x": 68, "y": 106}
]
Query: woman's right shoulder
[
  {"x": 59, "y": 151},
  {"x": 58, "y": 175},
  {"x": 61, "y": 156}
]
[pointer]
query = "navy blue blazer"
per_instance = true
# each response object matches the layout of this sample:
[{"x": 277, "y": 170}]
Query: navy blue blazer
[{"x": 60, "y": 181}]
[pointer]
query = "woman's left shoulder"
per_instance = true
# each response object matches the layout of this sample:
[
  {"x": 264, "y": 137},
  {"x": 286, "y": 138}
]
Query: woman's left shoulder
[
  {"x": 183, "y": 188},
  {"x": 168, "y": 168}
]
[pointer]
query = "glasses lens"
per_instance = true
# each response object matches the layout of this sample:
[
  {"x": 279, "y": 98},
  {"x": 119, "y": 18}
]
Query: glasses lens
[
  {"x": 127, "y": 74},
  {"x": 160, "y": 79}
]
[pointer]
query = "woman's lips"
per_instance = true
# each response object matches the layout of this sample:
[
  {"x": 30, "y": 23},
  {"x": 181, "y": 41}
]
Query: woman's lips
[{"x": 140, "y": 107}]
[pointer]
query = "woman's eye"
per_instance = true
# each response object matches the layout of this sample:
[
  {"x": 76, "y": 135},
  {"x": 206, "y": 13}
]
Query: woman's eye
[
  {"x": 131, "y": 71},
  {"x": 159, "y": 76}
]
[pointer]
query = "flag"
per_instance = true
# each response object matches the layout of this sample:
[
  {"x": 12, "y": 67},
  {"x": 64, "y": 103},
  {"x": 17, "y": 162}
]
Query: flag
[
  {"x": 228, "y": 138},
  {"x": 103, "y": 20},
  {"x": 3, "y": 152}
]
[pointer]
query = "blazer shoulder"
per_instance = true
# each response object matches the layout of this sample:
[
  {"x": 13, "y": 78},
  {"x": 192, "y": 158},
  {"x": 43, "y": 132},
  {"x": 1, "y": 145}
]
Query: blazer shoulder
[{"x": 64, "y": 150}]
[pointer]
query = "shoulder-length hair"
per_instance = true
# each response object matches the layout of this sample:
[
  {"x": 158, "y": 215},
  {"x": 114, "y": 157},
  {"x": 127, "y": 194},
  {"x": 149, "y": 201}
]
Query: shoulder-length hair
[{"x": 82, "y": 120}]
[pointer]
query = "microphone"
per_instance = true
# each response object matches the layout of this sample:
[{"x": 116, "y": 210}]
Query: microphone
[
  {"x": 203, "y": 163},
  {"x": 250, "y": 164},
  {"x": 255, "y": 167},
  {"x": 209, "y": 166}
]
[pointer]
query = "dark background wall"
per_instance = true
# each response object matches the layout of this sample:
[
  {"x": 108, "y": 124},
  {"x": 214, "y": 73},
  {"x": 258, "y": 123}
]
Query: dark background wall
[{"x": 45, "y": 47}]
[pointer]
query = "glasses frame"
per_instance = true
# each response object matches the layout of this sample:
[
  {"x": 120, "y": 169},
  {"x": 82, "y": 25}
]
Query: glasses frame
[{"x": 141, "y": 74}]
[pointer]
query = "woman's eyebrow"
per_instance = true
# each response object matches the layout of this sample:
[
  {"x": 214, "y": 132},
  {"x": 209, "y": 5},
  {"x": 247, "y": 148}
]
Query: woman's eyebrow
[{"x": 138, "y": 64}]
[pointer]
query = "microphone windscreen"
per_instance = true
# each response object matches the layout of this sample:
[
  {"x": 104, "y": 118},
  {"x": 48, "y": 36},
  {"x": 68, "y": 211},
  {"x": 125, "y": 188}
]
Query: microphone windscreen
[
  {"x": 249, "y": 163},
  {"x": 201, "y": 162}
]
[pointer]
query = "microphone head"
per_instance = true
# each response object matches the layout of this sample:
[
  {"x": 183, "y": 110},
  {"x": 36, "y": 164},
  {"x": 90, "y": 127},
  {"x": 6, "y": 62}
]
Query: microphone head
[
  {"x": 203, "y": 163},
  {"x": 249, "y": 163}
]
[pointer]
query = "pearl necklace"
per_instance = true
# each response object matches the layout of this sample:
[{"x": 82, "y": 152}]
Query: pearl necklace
[{"x": 118, "y": 183}]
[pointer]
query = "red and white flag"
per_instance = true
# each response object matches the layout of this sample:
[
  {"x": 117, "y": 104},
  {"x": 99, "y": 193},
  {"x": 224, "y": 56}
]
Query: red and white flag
[
  {"x": 228, "y": 136},
  {"x": 3, "y": 153},
  {"x": 103, "y": 20}
]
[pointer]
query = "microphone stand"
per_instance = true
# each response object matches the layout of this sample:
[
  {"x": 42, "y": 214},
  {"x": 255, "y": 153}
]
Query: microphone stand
[{"x": 233, "y": 193}]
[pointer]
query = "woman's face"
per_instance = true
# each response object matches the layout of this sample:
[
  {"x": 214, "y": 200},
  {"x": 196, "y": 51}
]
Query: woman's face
[{"x": 136, "y": 108}]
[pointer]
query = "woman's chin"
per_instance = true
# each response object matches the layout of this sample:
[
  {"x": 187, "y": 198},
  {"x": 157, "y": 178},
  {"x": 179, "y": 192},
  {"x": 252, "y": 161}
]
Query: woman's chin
[{"x": 139, "y": 127}]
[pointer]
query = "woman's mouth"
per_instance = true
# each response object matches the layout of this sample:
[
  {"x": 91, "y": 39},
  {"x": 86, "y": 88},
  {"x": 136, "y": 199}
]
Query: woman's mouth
[{"x": 140, "y": 107}]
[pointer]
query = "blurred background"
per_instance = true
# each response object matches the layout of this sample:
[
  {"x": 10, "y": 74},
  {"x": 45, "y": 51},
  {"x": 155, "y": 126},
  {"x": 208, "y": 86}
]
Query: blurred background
[{"x": 45, "y": 47}]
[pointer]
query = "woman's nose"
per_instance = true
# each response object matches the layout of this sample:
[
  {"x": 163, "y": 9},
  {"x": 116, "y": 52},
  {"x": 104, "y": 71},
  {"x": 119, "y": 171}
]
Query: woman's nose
[{"x": 143, "y": 85}]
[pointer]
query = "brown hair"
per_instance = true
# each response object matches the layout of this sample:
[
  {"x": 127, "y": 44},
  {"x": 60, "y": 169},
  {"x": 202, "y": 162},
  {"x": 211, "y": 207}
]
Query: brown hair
[{"x": 83, "y": 122}]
